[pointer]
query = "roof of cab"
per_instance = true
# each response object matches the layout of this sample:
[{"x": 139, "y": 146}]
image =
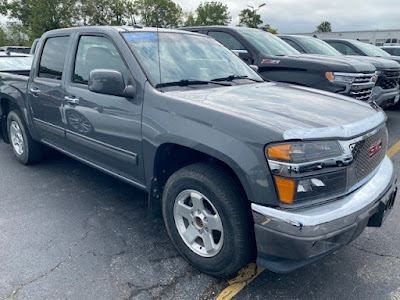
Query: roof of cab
[{"x": 111, "y": 29}]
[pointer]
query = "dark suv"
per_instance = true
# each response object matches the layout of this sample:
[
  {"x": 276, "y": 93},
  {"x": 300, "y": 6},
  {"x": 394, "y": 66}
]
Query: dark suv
[
  {"x": 277, "y": 61},
  {"x": 386, "y": 91}
]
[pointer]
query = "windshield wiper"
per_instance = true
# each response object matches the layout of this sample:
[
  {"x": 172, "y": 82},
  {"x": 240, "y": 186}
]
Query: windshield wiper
[
  {"x": 233, "y": 77},
  {"x": 186, "y": 82}
]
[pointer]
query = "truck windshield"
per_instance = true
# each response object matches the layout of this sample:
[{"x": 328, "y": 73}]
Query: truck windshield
[
  {"x": 169, "y": 57},
  {"x": 267, "y": 43},
  {"x": 370, "y": 50},
  {"x": 317, "y": 46},
  {"x": 15, "y": 63}
]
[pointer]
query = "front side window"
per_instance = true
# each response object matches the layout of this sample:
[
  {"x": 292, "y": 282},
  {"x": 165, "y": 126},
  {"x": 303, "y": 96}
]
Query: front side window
[
  {"x": 266, "y": 42},
  {"x": 343, "y": 48},
  {"x": 53, "y": 57},
  {"x": 95, "y": 52},
  {"x": 227, "y": 40},
  {"x": 172, "y": 57},
  {"x": 317, "y": 46},
  {"x": 294, "y": 45}
]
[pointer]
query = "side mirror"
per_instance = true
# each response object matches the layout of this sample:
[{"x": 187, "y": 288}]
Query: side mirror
[
  {"x": 254, "y": 68},
  {"x": 244, "y": 55},
  {"x": 110, "y": 82}
]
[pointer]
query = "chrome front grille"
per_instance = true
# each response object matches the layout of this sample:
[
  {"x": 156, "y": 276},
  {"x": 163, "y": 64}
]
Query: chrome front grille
[
  {"x": 362, "y": 86},
  {"x": 366, "y": 157},
  {"x": 388, "y": 79}
]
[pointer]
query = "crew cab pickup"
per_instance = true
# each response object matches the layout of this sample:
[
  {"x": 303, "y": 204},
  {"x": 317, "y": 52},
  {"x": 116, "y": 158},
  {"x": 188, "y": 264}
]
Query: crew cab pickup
[
  {"x": 386, "y": 90},
  {"x": 240, "y": 168},
  {"x": 277, "y": 61}
]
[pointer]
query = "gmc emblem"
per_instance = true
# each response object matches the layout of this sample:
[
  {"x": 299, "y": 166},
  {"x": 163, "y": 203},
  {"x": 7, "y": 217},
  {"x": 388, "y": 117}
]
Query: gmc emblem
[{"x": 375, "y": 148}]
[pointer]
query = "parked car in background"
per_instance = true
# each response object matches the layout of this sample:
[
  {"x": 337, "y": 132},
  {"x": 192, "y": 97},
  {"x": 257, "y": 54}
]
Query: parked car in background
[
  {"x": 15, "y": 63},
  {"x": 386, "y": 91},
  {"x": 240, "y": 168},
  {"x": 277, "y": 61},
  {"x": 392, "y": 42},
  {"x": 392, "y": 50},
  {"x": 353, "y": 47},
  {"x": 16, "y": 49}
]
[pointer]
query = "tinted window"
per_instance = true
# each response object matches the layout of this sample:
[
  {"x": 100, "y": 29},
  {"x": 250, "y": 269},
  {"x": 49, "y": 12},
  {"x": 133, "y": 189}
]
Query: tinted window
[
  {"x": 96, "y": 52},
  {"x": 388, "y": 41},
  {"x": 294, "y": 45},
  {"x": 227, "y": 40},
  {"x": 343, "y": 48},
  {"x": 317, "y": 46},
  {"x": 53, "y": 57}
]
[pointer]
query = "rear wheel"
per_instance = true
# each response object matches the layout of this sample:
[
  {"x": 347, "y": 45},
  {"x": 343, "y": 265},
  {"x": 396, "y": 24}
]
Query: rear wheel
[
  {"x": 208, "y": 219},
  {"x": 26, "y": 149}
]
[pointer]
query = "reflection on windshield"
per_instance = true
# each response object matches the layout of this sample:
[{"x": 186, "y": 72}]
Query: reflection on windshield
[
  {"x": 267, "y": 43},
  {"x": 185, "y": 57},
  {"x": 317, "y": 46},
  {"x": 15, "y": 63},
  {"x": 370, "y": 50}
]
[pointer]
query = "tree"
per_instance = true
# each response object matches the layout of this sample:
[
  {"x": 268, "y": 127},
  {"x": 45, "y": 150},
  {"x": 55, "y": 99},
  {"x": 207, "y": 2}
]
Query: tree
[
  {"x": 249, "y": 18},
  {"x": 38, "y": 16},
  {"x": 269, "y": 29},
  {"x": 159, "y": 13},
  {"x": 105, "y": 12},
  {"x": 190, "y": 19},
  {"x": 212, "y": 13},
  {"x": 324, "y": 27}
]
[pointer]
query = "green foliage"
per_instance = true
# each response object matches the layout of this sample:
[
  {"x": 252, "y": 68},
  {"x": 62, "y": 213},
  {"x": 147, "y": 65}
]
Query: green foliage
[
  {"x": 105, "y": 12},
  {"x": 212, "y": 13},
  {"x": 324, "y": 27},
  {"x": 268, "y": 28},
  {"x": 249, "y": 18},
  {"x": 190, "y": 19},
  {"x": 159, "y": 13}
]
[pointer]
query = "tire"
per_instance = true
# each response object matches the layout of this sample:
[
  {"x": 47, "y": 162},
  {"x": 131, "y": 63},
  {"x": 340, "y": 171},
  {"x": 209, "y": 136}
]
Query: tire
[
  {"x": 234, "y": 244},
  {"x": 26, "y": 150}
]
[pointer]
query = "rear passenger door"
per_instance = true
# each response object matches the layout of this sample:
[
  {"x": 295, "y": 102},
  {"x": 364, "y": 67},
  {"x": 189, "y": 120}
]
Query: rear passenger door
[
  {"x": 45, "y": 92},
  {"x": 102, "y": 129}
]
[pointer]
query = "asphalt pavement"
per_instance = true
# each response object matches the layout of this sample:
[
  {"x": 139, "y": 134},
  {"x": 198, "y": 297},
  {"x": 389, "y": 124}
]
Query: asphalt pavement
[{"x": 68, "y": 231}]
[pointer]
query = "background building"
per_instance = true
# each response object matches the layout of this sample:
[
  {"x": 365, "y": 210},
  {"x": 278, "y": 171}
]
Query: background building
[{"x": 376, "y": 37}]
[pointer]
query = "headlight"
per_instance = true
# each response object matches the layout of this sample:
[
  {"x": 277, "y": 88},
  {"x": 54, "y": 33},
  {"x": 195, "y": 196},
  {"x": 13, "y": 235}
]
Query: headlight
[
  {"x": 333, "y": 77},
  {"x": 306, "y": 171}
]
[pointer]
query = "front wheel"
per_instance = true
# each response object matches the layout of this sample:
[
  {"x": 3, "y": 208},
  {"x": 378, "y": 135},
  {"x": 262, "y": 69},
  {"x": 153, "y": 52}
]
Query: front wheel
[
  {"x": 26, "y": 149},
  {"x": 208, "y": 219}
]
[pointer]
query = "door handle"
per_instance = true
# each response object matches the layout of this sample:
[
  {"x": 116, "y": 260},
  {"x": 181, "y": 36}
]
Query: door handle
[
  {"x": 35, "y": 91},
  {"x": 71, "y": 100}
]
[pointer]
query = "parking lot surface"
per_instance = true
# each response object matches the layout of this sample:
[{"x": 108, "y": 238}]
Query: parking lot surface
[{"x": 68, "y": 231}]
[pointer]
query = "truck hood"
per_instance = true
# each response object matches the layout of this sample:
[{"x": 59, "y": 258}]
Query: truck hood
[
  {"x": 393, "y": 58},
  {"x": 380, "y": 63},
  {"x": 323, "y": 63},
  {"x": 282, "y": 106}
]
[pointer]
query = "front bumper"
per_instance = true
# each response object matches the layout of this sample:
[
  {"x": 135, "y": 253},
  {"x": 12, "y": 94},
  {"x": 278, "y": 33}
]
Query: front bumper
[
  {"x": 290, "y": 239},
  {"x": 384, "y": 98}
]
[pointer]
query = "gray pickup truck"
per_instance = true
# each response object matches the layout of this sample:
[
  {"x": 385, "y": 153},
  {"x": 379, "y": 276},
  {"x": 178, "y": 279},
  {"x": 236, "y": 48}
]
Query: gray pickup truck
[{"x": 239, "y": 168}]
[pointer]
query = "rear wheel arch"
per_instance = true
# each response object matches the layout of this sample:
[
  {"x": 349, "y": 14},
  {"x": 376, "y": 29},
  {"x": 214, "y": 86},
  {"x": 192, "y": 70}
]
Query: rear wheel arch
[{"x": 7, "y": 105}]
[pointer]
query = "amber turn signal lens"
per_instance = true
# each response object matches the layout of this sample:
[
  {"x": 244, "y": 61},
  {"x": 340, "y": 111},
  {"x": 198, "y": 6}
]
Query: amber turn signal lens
[
  {"x": 279, "y": 151},
  {"x": 329, "y": 76},
  {"x": 286, "y": 188}
]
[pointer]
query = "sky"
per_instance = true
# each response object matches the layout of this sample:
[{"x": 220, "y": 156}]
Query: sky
[{"x": 295, "y": 16}]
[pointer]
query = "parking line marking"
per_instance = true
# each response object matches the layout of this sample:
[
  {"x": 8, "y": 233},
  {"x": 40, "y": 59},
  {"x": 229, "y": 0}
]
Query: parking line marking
[
  {"x": 394, "y": 149},
  {"x": 246, "y": 275},
  {"x": 250, "y": 272}
]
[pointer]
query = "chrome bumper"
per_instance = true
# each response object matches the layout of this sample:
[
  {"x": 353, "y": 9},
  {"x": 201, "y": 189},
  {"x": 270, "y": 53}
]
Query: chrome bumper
[
  {"x": 289, "y": 239},
  {"x": 384, "y": 97}
]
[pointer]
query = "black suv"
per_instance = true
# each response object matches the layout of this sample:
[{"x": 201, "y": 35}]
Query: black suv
[
  {"x": 277, "y": 61},
  {"x": 386, "y": 91}
]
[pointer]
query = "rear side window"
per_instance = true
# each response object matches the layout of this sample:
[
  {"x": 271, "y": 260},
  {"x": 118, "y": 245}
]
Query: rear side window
[
  {"x": 95, "y": 52},
  {"x": 227, "y": 40},
  {"x": 53, "y": 57}
]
